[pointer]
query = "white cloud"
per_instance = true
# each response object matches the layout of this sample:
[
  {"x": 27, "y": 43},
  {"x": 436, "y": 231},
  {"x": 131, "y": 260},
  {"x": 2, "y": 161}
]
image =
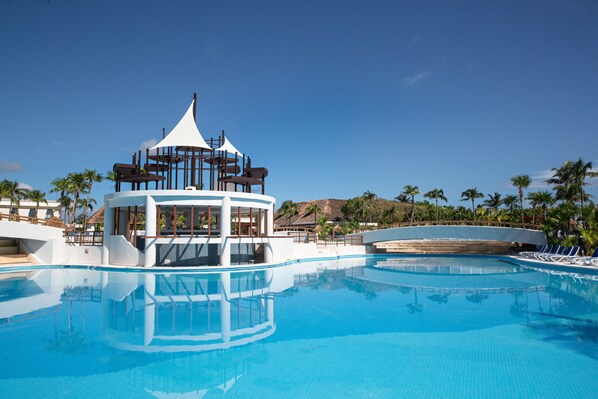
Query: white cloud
[
  {"x": 148, "y": 144},
  {"x": 24, "y": 186},
  {"x": 7, "y": 166},
  {"x": 416, "y": 79},
  {"x": 539, "y": 179}
]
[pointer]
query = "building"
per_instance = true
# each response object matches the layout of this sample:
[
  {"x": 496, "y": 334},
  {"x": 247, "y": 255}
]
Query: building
[
  {"x": 188, "y": 201},
  {"x": 31, "y": 209}
]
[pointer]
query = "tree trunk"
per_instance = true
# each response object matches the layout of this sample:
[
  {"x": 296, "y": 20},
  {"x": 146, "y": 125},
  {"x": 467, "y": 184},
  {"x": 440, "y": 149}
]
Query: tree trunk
[
  {"x": 473, "y": 208},
  {"x": 412, "y": 209},
  {"x": 521, "y": 203},
  {"x": 85, "y": 208},
  {"x": 436, "y": 209}
]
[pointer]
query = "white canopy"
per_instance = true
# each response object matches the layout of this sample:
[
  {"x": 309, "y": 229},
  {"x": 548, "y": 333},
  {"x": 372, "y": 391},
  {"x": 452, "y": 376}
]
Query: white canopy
[
  {"x": 227, "y": 146},
  {"x": 184, "y": 134}
]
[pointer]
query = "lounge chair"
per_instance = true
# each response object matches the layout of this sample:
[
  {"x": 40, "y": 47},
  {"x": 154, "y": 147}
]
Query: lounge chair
[
  {"x": 543, "y": 249},
  {"x": 556, "y": 250},
  {"x": 591, "y": 260},
  {"x": 568, "y": 254}
]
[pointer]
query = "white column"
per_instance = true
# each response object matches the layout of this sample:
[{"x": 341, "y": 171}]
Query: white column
[
  {"x": 271, "y": 220},
  {"x": 263, "y": 222},
  {"x": 268, "y": 251},
  {"x": 149, "y": 310},
  {"x": 150, "y": 230},
  {"x": 225, "y": 232},
  {"x": 269, "y": 274},
  {"x": 105, "y": 313},
  {"x": 225, "y": 305},
  {"x": 108, "y": 229}
]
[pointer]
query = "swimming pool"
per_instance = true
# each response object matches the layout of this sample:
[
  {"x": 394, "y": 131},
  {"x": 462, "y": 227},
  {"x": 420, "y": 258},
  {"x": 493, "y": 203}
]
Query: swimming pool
[{"x": 377, "y": 327}]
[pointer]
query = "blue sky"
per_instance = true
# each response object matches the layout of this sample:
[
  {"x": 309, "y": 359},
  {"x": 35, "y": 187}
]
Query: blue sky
[{"x": 334, "y": 97}]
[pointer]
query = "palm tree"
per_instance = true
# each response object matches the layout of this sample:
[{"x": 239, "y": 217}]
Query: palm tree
[
  {"x": 76, "y": 185},
  {"x": 402, "y": 198},
  {"x": 569, "y": 180},
  {"x": 37, "y": 196},
  {"x": 510, "y": 201},
  {"x": 86, "y": 204},
  {"x": 90, "y": 176},
  {"x": 12, "y": 191},
  {"x": 61, "y": 185},
  {"x": 494, "y": 201},
  {"x": 389, "y": 215},
  {"x": 521, "y": 182},
  {"x": 436, "y": 194},
  {"x": 544, "y": 200},
  {"x": 288, "y": 209},
  {"x": 470, "y": 195},
  {"x": 368, "y": 197},
  {"x": 411, "y": 191},
  {"x": 533, "y": 199},
  {"x": 313, "y": 209}
]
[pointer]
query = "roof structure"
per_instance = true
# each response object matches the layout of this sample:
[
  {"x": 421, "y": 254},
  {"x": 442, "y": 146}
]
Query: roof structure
[
  {"x": 184, "y": 134},
  {"x": 97, "y": 217},
  {"x": 230, "y": 148}
]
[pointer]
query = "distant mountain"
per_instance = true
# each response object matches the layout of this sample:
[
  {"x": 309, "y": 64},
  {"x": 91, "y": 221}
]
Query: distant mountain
[{"x": 331, "y": 208}]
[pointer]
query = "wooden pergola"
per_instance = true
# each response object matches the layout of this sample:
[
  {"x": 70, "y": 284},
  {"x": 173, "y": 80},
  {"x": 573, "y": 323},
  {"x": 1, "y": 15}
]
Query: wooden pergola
[{"x": 170, "y": 166}]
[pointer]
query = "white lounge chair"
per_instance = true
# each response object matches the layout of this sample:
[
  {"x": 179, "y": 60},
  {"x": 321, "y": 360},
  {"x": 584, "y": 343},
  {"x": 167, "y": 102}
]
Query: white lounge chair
[
  {"x": 591, "y": 260},
  {"x": 568, "y": 254},
  {"x": 543, "y": 249}
]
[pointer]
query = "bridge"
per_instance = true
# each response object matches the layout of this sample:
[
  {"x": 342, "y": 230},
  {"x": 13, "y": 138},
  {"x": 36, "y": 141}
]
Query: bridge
[{"x": 453, "y": 234}]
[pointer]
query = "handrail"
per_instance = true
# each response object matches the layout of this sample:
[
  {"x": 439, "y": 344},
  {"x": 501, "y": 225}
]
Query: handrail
[
  {"x": 32, "y": 220},
  {"x": 84, "y": 237},
  {"x": 486, "y": 223}
]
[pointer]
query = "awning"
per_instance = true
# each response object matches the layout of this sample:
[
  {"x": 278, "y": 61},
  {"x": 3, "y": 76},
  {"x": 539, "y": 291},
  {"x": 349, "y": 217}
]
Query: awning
[{"x": 184, "y": 134}]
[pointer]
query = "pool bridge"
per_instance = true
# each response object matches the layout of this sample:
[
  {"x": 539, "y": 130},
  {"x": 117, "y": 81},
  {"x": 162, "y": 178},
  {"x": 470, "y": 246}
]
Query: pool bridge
[{"x": 455, "y": 233}]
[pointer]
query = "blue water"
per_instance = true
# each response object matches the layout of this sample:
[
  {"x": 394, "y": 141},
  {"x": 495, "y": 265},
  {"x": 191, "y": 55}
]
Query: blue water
[{"x": 400, "y": 327}]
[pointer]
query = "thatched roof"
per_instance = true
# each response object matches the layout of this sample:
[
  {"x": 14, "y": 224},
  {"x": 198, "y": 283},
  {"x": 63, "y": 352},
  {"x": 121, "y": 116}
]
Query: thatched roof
[{"x": 97, "y": 217}]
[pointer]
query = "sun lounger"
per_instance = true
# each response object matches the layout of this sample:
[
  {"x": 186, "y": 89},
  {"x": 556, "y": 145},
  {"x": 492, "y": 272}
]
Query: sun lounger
[
  {"x": 543, "y": 249},
  {"x": 568, "y": 254},
  {"x": 556, "y": 250},
  {"x": 591, "y": 260}
]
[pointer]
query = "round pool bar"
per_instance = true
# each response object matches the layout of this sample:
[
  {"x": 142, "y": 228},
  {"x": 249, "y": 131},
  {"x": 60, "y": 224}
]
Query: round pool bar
[{"x": 190, "y": 203}]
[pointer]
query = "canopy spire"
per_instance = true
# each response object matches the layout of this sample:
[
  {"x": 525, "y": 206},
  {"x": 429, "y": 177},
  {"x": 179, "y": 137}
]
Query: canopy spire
[
  {"x": 185, "y": 133},
  {"x": 228, "y": 146}
]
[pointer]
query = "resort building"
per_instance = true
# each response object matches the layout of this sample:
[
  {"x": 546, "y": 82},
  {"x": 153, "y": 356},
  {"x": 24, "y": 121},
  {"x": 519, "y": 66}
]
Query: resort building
[
  {"x": 30, "y": 209},
  {"x": 190, "y": 201}
]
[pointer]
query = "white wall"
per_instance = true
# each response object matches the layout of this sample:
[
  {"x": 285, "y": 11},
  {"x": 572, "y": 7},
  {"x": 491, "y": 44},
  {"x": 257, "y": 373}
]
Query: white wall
[
  {"x": 306, "y": 251},
  {"x": 122, "y": 253}
]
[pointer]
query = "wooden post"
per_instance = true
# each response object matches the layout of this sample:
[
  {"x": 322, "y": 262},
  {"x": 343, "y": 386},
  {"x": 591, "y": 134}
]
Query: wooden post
[
  {"x": 185, "y": 168},
  {"x": 176, "y": 169},
  {"x": 147, "y": 165},
  {"x": 116, "y": 219},
  {"x": 135, "y": 228},
  {"x": 158, "y": 219},
  {"x": 192, "y": 218},
  {"x": 139, "y": 169},
  {"x": 251, "y": 222},
  {"x": 174, "y": 221},
  {"x": 209, "y": 220},
  {"x": 259, "y": 224},
  {"x": 169, "y": 185},
  {"x": 239, "y": 221},
  {"x": 129, "y": 223}
]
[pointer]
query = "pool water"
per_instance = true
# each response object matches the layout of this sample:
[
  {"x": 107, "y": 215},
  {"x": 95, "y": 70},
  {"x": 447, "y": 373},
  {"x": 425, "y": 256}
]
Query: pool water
[{"x": 381, "y": 327}]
